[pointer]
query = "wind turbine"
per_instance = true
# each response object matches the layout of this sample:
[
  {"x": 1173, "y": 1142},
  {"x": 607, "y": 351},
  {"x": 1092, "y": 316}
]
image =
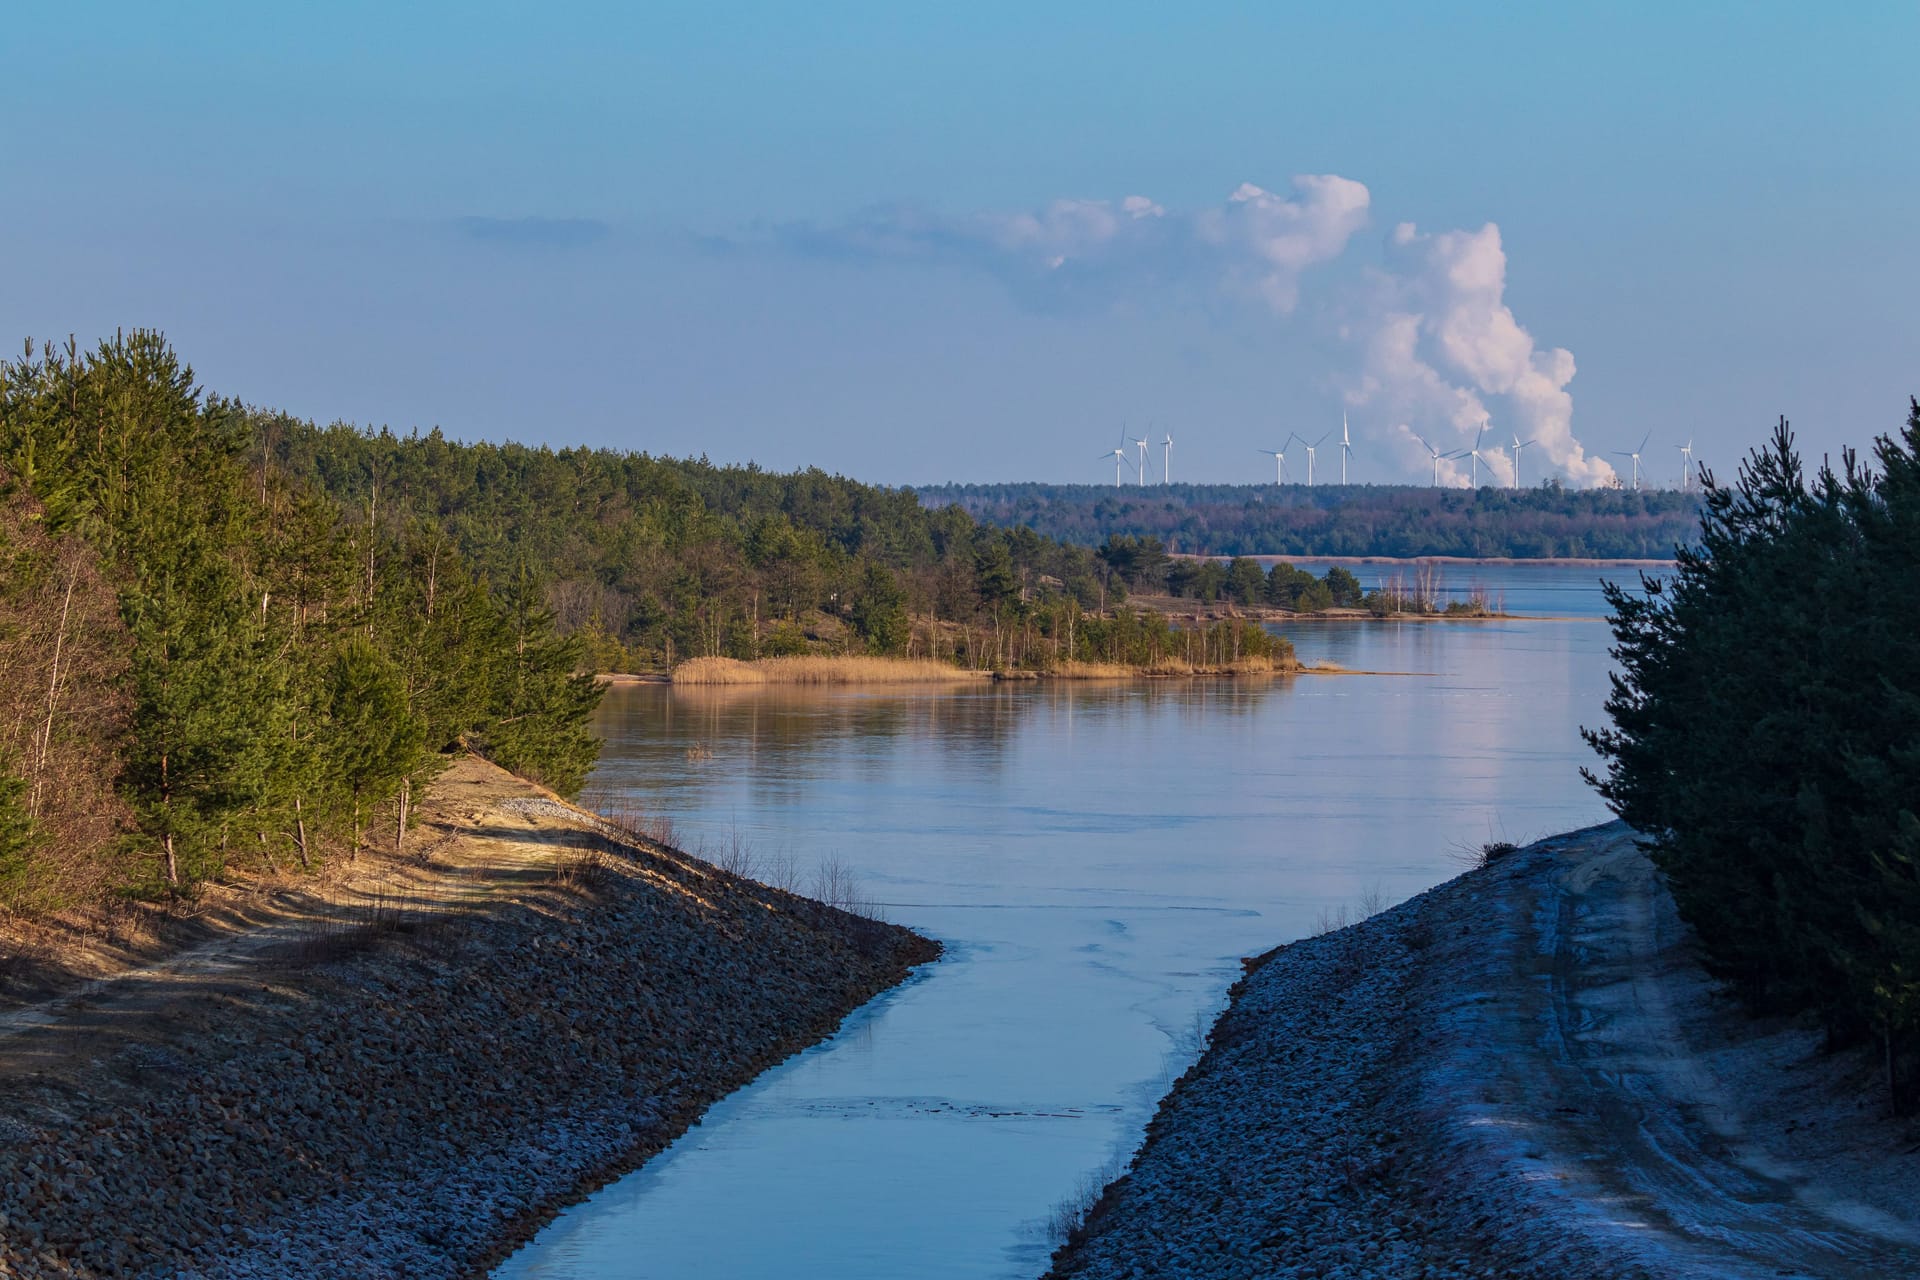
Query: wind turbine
[
  {"x": 1635, "y": 455},
  {"x": 1142, "y": 442},
  {"x": 1346, "y": 448},
  {"x": 1166, "y": 459},
  {"x": 1438, "y": 457},
  {"x": 1518, "y": 445},
  {"x": 1474, "y": 453},
  {"x": 1686, "y": 463},
  {"x": 1119, "y": 456},
  {"x": 1280, "y": 459},
  {"x": 1310, "y": 448}
]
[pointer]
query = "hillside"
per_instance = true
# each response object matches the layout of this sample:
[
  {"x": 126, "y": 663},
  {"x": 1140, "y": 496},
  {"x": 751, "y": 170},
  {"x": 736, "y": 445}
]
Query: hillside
[
  {"x": 652, "y": 560},
  {"x": 211, "y": 663}
]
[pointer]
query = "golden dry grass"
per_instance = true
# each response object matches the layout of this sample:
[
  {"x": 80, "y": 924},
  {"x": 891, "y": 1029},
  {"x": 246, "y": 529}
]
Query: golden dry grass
[
  {"x": 1094, "y": 671},
  {"x": 820, "y": 670},
  {"x": 1168, "y": 666}
]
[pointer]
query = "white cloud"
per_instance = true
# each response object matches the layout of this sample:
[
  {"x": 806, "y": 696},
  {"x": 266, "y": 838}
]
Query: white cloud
[
  {"x": 1438, "y": 352},
  {"x": 1269, "y": 241},
  {"x": 1447, "y": 340},
  {"x": 1254, "y": 241}
]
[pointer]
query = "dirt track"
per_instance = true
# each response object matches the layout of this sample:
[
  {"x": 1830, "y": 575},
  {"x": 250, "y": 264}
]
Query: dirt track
[
  {"x": 410, "y": 1080},
  {"x": 1521, "y": 1073}
]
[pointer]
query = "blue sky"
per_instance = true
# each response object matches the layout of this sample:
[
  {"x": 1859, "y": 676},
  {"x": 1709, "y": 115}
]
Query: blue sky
[{"x": 807, "y": 234}]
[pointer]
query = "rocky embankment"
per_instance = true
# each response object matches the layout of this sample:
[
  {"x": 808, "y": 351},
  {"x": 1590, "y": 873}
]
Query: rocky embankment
[
  {"x": 1522, "y": 1073},
  {"x": 412, "y": 1091}
]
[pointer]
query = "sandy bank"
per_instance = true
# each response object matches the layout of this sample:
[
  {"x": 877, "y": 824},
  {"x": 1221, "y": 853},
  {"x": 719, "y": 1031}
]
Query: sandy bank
[
  {"x": 1520, "y": 1073},
  {"x": 413, "y": 1084},
  {"x": 822, "y": 669}
]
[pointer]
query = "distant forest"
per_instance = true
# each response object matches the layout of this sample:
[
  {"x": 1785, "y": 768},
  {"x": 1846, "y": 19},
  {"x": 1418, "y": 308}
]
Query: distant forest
[{"x": 1344, "y": 520}]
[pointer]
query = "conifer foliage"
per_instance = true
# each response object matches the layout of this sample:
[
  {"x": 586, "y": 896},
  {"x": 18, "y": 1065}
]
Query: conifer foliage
[
  {"x": 245, "y": 666},
  {"x": 1766, "y": 738}
]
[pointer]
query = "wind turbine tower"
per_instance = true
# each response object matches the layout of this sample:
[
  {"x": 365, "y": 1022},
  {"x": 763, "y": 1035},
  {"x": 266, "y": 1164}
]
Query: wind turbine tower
[
  {"x": 1166, "y": 459},
  {"x": 1142, "y": 442},
  {"x": 1346, "y": 448},
  {"x": 1635, "y": 455},
  {"x": 1119, "y": 456},
  {"x": 1438, "y": 458},
  {"x": 1310, "y": 448},
  {"x": 1518, "y": 445},
  {"x": 1686, "y": 463},
  {"x": 1474, "y": 453},
  {"x": 1280, "y": 460}
]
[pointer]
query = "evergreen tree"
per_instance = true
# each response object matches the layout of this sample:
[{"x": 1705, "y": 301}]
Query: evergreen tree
[
  {"x": 880, "y": 611},
  {"x": 541, "y": 701},
  {"x": 370, "y": 741},
  {"x": 1245, "y": 583},
  {"x": 199, "y": 750},
  {"x": 1762, "y": 738}
]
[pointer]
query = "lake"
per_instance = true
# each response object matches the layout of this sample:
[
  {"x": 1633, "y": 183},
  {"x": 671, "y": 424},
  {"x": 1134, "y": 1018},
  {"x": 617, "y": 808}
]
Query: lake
[{"x": 1098, "y": 858}]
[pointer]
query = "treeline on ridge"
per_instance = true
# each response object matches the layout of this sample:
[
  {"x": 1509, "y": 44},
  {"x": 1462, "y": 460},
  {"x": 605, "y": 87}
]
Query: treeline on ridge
[
  {"x": 210, "y": 661},
  {"x": 655, "y": 560},
  {"x": 1763, "y": 739},
  {"x": 1403, "y": 521}
]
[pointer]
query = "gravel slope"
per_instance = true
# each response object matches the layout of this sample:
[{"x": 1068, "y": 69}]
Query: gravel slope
[
  {"x": 414, "y": 1093},
  {"x": 1521, "y": 1073}
]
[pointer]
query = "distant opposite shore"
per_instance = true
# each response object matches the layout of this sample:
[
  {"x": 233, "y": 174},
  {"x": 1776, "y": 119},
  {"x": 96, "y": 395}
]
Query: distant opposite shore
[
  {"x": 1568, "y": 562},
  {"x": 1545, "y": 522}
]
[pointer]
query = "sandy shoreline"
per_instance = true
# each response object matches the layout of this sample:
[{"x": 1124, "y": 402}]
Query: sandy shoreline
[
  {"x": 1521, "y": 1073},
  {"x": 416, "y": 1084}
]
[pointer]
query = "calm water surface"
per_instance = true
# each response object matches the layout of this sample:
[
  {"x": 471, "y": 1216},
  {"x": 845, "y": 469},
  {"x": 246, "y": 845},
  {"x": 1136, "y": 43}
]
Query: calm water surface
[{"x": 1097, "y": 858}]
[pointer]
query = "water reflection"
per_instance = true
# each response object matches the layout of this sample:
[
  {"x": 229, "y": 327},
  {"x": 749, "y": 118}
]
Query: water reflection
[{"x": 1099, "y": 857}]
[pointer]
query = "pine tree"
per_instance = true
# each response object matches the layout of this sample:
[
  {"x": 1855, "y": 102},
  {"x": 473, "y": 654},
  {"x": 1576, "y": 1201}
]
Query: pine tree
[
  {"x": 1762, "y": 738},
  {"x": 879, "y": 611},
  {"x": 541, "y": 698},
  {"x": 370, "y": 741}
]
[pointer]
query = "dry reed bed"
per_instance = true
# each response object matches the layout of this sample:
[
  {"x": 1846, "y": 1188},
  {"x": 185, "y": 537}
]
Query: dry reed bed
[
  {"x": 1162, "y": 667},
  {"x": 868, "y": 670},
  {"x": 825, "y": 669}
]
